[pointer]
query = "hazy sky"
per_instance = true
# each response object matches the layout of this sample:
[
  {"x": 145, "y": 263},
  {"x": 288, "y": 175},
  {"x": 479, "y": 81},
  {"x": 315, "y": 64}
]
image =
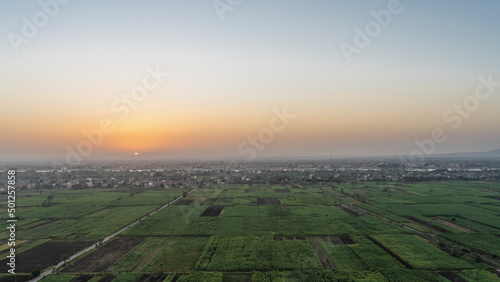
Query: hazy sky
[{"x": 229, "y": 71}]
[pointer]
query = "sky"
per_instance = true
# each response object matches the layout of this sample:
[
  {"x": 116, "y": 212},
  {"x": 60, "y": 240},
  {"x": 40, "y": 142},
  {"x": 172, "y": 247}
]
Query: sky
[{"x": 236, "y": 68}]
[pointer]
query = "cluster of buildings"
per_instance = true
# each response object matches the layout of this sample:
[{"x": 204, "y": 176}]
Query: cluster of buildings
[{"x": 170, "y": 175}]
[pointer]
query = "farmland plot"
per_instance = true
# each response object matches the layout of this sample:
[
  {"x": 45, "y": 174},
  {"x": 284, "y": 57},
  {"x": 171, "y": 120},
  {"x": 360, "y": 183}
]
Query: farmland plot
[
  {"x": 103, "y": 257},
  {"x": 46, "y": 254},
  {"x": 247, "y": 253},
  {"x": 419, "y": 253}
]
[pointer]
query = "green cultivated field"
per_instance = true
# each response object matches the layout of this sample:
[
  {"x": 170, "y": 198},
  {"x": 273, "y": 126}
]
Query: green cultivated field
[{"x": 302, "y": 232}]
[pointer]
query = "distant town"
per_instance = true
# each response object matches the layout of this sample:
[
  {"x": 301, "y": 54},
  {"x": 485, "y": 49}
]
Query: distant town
[{"x": 178, "y": 175}]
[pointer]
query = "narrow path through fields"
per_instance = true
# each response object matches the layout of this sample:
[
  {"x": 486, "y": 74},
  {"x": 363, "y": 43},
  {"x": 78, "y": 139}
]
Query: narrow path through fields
[{"x": 50, "y": 270}]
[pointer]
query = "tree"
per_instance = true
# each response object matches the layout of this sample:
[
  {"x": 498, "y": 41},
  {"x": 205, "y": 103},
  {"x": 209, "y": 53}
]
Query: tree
[
  {"x": 49, "y": 199},
  {"x": 478, "y": 259},
  {"x": 64, "y": 258},
  {"x": 36, "y": 272}
]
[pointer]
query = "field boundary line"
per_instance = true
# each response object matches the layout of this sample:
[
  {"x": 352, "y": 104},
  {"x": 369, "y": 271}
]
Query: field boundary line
[{"x": 95, "y": 245}]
